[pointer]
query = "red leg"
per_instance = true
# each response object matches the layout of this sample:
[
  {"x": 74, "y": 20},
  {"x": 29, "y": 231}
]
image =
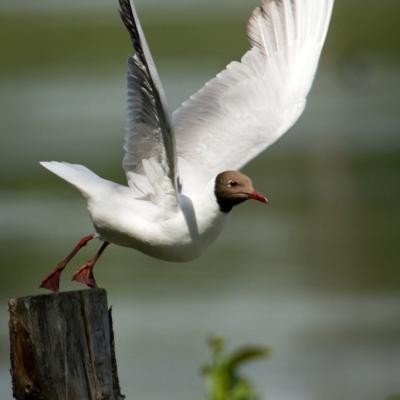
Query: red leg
[
  {"x": 52, "y": 281},
  {"x": 85, "y": 273}
]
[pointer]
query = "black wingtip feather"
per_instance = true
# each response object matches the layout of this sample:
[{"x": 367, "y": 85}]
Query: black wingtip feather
[{"x": 127, "y": 17}]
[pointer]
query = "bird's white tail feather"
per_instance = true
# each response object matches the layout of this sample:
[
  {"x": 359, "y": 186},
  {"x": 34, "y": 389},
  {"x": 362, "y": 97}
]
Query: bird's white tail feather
[{"x": 86, "y": 181}]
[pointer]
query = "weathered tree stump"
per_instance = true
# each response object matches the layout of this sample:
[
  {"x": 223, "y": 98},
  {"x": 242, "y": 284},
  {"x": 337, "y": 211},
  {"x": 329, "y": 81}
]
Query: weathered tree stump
[{"x": 62, "y": 347}]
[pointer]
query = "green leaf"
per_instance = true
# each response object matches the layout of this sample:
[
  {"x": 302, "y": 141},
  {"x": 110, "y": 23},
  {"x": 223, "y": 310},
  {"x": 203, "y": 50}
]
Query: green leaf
[
  {"x": 222, "y": 376},
  {"x": 245, "y": 354}
]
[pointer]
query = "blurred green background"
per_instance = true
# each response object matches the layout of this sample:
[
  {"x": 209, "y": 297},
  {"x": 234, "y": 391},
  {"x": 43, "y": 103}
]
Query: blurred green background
[{"x": 315, "y": 275}]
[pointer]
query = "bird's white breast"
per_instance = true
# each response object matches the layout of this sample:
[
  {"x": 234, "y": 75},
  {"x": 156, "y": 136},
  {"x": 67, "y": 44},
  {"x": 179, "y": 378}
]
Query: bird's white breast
[{"x": 172, "y": 234}]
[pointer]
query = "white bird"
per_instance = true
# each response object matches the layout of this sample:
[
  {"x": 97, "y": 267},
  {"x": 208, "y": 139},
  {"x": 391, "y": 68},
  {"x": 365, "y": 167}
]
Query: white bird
[{"x": 182, "y": 173}]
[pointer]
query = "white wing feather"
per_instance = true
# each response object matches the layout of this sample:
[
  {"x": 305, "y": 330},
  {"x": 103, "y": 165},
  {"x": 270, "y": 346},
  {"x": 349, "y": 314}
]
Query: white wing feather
[{"x": 252, "y": 103}]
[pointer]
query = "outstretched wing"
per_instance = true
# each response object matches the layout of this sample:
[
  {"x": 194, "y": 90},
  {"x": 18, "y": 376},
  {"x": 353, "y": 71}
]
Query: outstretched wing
[
  {"x": 252, "y": 103},
  {"x": 150, "y": 160}
]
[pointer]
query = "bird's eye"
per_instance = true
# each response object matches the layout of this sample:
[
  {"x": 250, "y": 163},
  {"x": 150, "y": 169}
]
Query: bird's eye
[{"x": 231, "y": 183}]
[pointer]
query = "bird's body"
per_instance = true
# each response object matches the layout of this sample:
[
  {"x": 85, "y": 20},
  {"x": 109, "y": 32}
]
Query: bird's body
[
  {"x": 179, "y": 228},
  {"x": 178, "y": 233},
  {"x": 182, "y": 171}
]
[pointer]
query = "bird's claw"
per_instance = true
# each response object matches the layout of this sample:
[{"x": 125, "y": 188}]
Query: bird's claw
[
  {"x": 52, "y": 281},
  {"x": 85, "y": 275}
]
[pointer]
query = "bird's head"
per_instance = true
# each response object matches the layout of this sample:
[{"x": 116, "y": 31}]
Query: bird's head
[{"x": 233, "y": 188}]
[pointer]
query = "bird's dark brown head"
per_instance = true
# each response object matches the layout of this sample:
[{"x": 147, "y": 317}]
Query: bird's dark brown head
[{"x": 233, "y": 188}]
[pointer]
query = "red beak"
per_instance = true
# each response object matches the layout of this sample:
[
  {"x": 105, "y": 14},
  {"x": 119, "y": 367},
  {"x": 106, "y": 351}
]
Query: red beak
[{"x": 258, "y": 196}]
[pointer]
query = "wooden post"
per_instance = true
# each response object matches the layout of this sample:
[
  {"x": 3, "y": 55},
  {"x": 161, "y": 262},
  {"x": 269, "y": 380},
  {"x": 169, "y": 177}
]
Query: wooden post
[{"x": 62, "y": 347}]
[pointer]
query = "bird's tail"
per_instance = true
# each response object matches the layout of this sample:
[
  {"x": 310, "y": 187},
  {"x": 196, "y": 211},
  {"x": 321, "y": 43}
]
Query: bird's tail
[{"x": 86, "y": 181}]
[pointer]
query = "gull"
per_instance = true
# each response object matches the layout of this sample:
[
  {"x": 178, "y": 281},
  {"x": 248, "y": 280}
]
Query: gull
[{"x": 183, "y": 170}]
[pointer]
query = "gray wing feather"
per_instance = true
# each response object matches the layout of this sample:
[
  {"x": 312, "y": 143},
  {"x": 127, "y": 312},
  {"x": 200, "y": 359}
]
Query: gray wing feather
[{"x": 149, "y": 132}]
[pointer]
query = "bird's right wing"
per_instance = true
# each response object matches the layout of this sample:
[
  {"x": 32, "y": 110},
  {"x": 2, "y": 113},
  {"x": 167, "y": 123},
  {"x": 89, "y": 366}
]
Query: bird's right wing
[
  {"x": 252, "y": 103},
  {"x": 150, "y": 160}
]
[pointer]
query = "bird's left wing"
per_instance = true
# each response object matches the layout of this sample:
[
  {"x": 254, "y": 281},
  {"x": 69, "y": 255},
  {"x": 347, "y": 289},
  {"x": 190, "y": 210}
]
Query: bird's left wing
[
  {"x": 252, "y": 103},
  {"x": 149, "y": 161}
]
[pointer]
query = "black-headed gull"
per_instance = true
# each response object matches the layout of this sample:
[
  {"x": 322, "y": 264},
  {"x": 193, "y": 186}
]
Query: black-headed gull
[{"x": 182, "y": 173}]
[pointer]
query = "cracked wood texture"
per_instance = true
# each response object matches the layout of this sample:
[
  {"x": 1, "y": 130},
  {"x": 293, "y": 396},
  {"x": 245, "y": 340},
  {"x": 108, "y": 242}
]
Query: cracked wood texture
[{"x": 62, "y": 347}]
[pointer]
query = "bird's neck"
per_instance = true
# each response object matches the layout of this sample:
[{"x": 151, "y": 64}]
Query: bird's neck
[{"x": 208, "y": 211}]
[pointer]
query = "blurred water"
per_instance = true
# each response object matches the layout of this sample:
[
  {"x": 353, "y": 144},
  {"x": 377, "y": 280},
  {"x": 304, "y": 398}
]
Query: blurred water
[
  {"x": 292, "y": 283},
  {"x": 314, "y": 275}
]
